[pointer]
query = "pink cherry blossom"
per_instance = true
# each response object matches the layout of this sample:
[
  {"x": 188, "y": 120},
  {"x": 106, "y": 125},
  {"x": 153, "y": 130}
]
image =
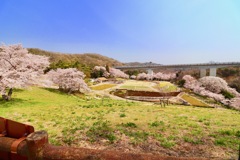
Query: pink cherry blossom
[
  {"x": 213, "y": 84},
  {"x": 69, "y": 80},
  {"x": 212, "y": 87},
  {"x": 18, "y": 68},
  {"x": 141, "y": 76},
  {"x": 116, "y": 73},
  {"x": 164, "y": 76}
]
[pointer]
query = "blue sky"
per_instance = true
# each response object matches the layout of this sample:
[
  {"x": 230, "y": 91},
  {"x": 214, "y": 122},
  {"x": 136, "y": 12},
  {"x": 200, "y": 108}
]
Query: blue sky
[{"x": 161, "y": 31}]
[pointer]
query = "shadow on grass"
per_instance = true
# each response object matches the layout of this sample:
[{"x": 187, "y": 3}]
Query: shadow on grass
[
  {"x": 12, "y": 102},
  {"x": 15, "y": 90},
  {"x": 59, "y": 92},
  {"x": 55, "y": 91},
  {"x": 18, "y": 90}
]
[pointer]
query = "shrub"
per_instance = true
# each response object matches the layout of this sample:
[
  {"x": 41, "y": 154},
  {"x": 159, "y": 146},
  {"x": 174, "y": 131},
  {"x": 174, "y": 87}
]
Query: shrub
[
  {"x": 227, "y": 94},
  {"x": 181, "y": 82},
  {"x": 122, "y": 115}
]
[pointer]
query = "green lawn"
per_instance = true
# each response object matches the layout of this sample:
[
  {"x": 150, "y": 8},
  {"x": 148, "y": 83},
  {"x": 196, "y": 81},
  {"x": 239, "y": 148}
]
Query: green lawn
[
  {"x": 102, "y": 86},
  {"x": 138, "y": 85},
  {"x": 165, "y": 86},
  {"x": 89, "y": 122}
]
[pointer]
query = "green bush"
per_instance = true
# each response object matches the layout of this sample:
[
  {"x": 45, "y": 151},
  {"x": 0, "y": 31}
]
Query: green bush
[
  {"x": 122, "y": 115},
  {"x": 227, "y": 94},
  {"x": 181, "y": 83}
]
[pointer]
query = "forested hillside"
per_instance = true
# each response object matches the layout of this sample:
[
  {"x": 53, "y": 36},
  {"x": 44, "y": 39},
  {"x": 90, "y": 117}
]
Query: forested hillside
[{"x": 84, "y": 62}]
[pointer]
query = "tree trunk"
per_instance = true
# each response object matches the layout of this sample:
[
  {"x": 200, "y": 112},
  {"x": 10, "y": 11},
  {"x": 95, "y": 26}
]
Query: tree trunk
[{"x": 8, "y": 96}]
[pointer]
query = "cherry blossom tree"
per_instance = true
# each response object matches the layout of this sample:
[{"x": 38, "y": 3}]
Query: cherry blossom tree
[
  {"x": 144, "y": 76},
  {"x": 18, "y": 68},
  {"x": 233, "y": 91},
  {"x": 141, "y": 76},
  {"x": 190, "y": 82},
  {"x": 164, "y": 76},
  {"x": 158, "y": 76},
  {"x": 69, "y": 80},
  {"x": 195, "y": 86},
  {"x": 149, "y": 77},
  {"x": 133, "y": 77},
  {"x": 217, "y": 85},
  {"x": 212, "y": 87},
  {"x": 235, "y": 103},
  {"x": 100, "y": 71},
  {"x": 213, "y": 84},
  {"x": 116, "y": 73}
]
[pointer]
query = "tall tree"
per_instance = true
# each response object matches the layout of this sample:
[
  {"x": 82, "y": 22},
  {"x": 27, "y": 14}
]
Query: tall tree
[
  {"x": 116, "y": 73},
  {"x": 18, "y": 68},
  {"x": 107, "y": 68}
]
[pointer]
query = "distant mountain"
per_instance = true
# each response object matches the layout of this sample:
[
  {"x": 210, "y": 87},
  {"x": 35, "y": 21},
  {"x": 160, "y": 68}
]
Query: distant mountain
[{"x": 140, "y": 64}]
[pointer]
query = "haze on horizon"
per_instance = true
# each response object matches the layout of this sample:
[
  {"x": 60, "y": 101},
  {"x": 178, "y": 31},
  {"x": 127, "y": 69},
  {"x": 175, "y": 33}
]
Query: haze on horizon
[{"x": 160, "y": 31}]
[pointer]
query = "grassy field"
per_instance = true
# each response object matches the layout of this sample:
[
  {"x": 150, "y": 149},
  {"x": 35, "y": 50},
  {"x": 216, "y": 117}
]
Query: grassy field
[
  {"x": 125, "y": 125},
  {"x": 103, "y": 86},
  {"x": 162, "y": 86},
  {"x": 138, "y": 85},
  {"x": 165, "y": 86}
]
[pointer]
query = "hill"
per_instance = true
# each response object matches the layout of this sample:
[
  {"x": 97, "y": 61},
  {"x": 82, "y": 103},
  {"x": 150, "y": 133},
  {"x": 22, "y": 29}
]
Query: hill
[{"x": 85, "y": 62}]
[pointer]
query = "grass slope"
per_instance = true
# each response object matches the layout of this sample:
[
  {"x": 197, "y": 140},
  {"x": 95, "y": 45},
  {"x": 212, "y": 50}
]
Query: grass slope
[
  {"x": 194, "y": 101},
  {"x": 123, "y": 125}
]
